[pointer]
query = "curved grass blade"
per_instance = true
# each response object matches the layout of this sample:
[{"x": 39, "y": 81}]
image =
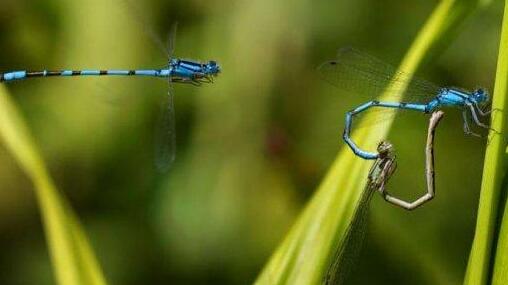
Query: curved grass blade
[{"x": 73, "y": 259}]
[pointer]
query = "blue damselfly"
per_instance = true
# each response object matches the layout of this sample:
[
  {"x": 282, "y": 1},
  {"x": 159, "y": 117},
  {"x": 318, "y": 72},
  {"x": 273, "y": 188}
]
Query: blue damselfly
[{"x": 175, "y": 71}]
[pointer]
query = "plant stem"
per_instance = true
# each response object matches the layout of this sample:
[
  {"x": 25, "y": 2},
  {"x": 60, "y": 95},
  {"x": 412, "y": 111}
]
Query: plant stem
[{"x": 494, "y": 171}]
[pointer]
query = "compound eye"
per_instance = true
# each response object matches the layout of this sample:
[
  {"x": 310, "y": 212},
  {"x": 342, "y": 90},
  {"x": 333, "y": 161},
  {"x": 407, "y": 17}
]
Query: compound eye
[
  {"x": 480, "y": 91},
  {"x": 212, "y": 63}
]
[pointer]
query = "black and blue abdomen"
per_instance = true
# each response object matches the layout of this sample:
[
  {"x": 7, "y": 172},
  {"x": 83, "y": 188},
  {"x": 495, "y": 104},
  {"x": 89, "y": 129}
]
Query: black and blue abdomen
[{"x": 20, "y": 75}]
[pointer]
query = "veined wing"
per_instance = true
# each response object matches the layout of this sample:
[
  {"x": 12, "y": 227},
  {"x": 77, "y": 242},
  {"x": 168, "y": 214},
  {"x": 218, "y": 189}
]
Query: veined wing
[
  {"x": 363, "y": 74},
  {"x": 170, "y": 43},
  {"x": 165, "y": 140},
  {"x": 132, "y": 9},
  {"x": 165, "y": 136}
]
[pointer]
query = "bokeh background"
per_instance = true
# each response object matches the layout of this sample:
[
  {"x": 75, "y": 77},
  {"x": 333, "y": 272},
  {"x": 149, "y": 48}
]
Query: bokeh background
[{"x": 252, "y": 147}]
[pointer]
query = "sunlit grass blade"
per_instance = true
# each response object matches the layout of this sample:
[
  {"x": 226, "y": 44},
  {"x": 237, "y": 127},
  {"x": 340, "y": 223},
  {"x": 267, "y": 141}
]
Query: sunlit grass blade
[
  {"x": 495, "y": 168},
  {"x": 73, "y": 259},
  {"x": 308, "y": 249}
]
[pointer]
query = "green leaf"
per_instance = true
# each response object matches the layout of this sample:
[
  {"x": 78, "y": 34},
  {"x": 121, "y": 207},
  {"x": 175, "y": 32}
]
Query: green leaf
[
  {"x": 73, "y": 259},
  {"x": 494, "y": 171},
  {"x": 309, "y": 248}
]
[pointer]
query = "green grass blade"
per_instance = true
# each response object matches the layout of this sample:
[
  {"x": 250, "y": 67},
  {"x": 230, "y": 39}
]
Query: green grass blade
[
  {"x": 308, "y": 249},
  {"x": 72, "y": 257},
  {"x": 494, "y": 171}
]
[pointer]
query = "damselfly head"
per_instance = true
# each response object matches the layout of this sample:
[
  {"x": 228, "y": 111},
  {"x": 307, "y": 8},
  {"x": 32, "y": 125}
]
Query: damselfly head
[
  {"x": 480, "y": 95},
  {"x": 173, "y": 62},
  {"x": 385, "y": 149},
  {"x": 212, "y": 68}
]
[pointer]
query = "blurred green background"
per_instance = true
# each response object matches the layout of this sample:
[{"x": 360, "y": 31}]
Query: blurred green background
[{"x": 252, "y": 147}]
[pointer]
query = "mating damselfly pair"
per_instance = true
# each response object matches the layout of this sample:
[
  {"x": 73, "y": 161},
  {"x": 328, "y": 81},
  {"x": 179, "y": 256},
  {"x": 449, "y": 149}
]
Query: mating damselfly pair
[
  {"x": 360, "y": 73},
  {"x": 175, "y": 71}
]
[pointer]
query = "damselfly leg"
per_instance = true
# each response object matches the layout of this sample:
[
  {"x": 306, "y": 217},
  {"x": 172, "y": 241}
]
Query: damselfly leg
[{"x": 467, "y": 128}]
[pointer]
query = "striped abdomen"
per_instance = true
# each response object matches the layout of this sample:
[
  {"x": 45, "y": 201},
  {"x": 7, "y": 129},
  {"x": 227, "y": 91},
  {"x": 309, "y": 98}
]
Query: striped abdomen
[{"x": 20, "y": 75}]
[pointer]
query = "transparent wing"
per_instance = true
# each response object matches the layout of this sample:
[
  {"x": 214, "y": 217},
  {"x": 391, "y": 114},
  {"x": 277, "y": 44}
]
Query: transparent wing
[
  {"x": 363, "y": 74},
  {"x": 133, "y": 10},
  {"x": 347, "y": 252},
  {"x": 165, "y": 147},
  {"x": 171, "y": 40},
  {"x": 165, "y": 140}
]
